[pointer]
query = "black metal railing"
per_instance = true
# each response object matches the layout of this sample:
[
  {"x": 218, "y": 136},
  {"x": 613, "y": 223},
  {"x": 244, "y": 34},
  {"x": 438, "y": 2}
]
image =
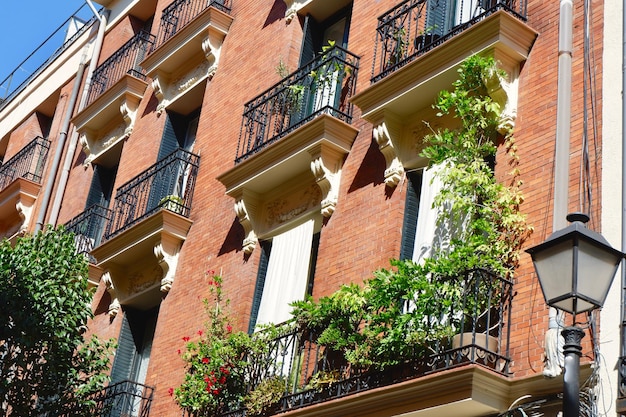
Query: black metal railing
[
  {"x": 313, "y": 373},
  {"x": 126, "y": 398},
  {"x": 124, "y": 61},
  {"x": 180, "y": 13},
  {"x": 414, "y": 27},
  {"x": 88, "y": 228},
  {"x": 28, "y": 163},
  {"x": 323, "y": 86},
  {"x": 168, "y": 184},
  {"x": 57, "y": 42}
]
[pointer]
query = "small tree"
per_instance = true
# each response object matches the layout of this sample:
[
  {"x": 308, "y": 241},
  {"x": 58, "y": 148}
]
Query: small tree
[{"x": 46, "y": 365}]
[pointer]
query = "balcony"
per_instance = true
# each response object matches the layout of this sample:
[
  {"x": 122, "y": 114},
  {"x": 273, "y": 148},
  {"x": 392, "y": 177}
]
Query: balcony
[
  {"x": 461, "y": 376},
  {"x": 114, "y": 95},
  {"x": 88, "y": 228},
  {"x": 418, "y": 50},
  {"x": 20, "y": 183},
  {"x": 126, "y": 398},
  {"x": 187, "y": 51},
  {"x": 149, "y": 222},
  {"x": 294, "y": 137}
]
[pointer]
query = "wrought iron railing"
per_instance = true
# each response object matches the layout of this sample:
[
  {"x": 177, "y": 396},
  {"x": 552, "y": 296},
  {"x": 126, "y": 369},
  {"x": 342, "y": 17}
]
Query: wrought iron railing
[
  {"x": 125, "y": 60},
  {"x": 28, "y": 163},
  {"x": 88, "y": 228},
  {"x": 180, "y": 13},
  {"x": 57, "y": 42},
  {"x": 323, "y": 86},
  {"x": 168, "y": 184},
  {"x": 414, "y": 27},
  {"x": 126, "y": 398},
  {"x": 313, "y": 373}
]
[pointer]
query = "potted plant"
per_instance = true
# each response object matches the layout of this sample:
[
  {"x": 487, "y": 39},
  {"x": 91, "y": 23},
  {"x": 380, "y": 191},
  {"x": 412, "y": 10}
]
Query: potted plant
[{"x": 172, "y": 203}]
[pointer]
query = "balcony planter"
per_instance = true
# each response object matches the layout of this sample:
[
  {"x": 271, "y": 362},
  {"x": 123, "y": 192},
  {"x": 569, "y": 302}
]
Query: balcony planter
[{"x": 173, "y": 203}]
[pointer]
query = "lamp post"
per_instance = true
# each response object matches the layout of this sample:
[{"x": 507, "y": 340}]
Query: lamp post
[{"x": 575, "y": 267}]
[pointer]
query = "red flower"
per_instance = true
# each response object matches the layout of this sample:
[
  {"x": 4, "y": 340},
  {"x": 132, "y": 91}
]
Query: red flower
[
  {"x": 200, "y": 332},
  {"x": 205, "y": 360},
  {"x": 186, "y": 338},
  {"x": 222, "y": 380},
  {"x": 170, "y": 391},
  {"x": 178, "y": 351},
  {"x": 210, "y": 272},
  {"x": 229, "y": 328},
  {"x": 216, "y": 392}
]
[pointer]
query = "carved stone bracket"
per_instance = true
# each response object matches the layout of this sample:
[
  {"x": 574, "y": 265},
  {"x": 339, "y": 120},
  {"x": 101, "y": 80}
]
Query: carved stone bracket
[
  {"x": 394, "y": 170},
  {"x": 292, "y": 8},
  {"x": 114, "y": 307},
  {"x": 504, "y": 93},
  {"x": 166, "y": 253},
  {"x": 326, "y": 166},
  {"x": 245, "y": 205}
]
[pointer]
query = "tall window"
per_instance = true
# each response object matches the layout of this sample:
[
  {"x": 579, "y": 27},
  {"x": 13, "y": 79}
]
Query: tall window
[{"x": 285, "y": 274}]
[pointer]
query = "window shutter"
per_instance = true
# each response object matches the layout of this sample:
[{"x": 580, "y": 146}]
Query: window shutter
[
  {"x": 314, "y": 248},
  {"x": 101, "y": 187},
  {"x": 169, "y": 140},
  {"x": 125, "y": 354},
  {"x": 310, "y": 42},
  {"x": 411, "y": 209},
  {"x": 266, "y": 248}
]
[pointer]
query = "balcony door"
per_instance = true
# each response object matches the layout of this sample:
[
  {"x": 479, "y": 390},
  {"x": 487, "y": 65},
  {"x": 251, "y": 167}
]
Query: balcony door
[{"x": 132, "y": 358}]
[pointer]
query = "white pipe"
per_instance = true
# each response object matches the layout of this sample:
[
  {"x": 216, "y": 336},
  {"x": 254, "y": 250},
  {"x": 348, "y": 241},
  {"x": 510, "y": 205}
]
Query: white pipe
[
  {"x": 563, "y": 118},
  {"x": 71, "y": 149}
]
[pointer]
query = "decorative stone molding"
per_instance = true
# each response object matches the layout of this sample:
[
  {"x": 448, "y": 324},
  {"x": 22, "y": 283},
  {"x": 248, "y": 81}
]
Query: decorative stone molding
[
  {"x": 166, "y": 253},
  {"x": 114, "y": 307},
  {"x": 17, "y": 201},
  {"x": 110, "y": 118},
  {"x": 394, "y": 170},
  {"x": 294, "y": 177},
  {"x": 402, "y": 97},
  {"x": 292, "y": 8},
  {"x": 188, "y": 58},
  {"x": 326, "y": 166},
  {"x": 141, "y": 261}
]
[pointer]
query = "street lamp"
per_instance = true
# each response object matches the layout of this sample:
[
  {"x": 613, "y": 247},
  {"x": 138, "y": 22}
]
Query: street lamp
[{"x": 575, "y": 267}]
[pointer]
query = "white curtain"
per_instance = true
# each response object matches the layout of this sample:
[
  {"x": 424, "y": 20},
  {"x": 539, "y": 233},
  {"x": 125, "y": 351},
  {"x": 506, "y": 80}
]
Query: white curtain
[
  {"x": 426, "y": 215},
  {"x": 287, "y": 273}
]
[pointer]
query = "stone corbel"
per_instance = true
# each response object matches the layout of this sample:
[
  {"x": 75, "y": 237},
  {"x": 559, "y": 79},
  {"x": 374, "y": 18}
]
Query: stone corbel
[
  {"x": 292, "y": 9},
  {"x": 326, "y": 166},
  {"x": 386, "y": 134},
  {"x": 128, "y": 109},
  {"x": 159, "y": 83},
  {"x": 24, "y": 208},
  {"x": 246, "y": 207},
  {"x": 114, "y": 307},
  {"x": 212, "y": 46},
  {"x": 166, "y": 253}
]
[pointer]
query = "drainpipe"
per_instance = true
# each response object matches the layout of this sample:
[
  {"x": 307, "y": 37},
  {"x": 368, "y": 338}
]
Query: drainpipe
[
  {"x": 71, "y": 149},
  {"x": 620, "y": 374},
  {"x": 63, "y": 134},
  {"x": 553, "y": 340}
]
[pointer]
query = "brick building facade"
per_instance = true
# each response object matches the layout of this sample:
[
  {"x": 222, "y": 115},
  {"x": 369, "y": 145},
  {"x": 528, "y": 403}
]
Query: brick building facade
[{"x": 177, "y": 76}]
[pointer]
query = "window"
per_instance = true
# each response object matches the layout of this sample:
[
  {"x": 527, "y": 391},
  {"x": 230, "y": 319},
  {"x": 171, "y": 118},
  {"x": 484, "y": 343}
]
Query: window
[
  {"x": 179, "y": 133},
  {"x": 285, "y": 274},
  {"x": 133, "y": 353},
  {"x": 420, "y": 231}
]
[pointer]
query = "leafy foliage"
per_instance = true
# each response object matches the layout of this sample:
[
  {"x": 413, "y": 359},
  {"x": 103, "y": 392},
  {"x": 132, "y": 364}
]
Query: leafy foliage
[
  {"x": 47, "y": 366},
  {"x": 221, "y": 363},
  {"x": 493, "y": 228}
]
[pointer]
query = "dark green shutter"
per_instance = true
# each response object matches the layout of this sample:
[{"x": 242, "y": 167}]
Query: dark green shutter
[
  {"x": 169, "y": 140},
  {"x": 266, "y": 248},
  {"x": 310, "y": 40},
  {"x": 313, "y": 263},
  {"x": 411, "y": 210},
  {"x": 125, "y": 354},
  {"x": 101, "y": 187}
]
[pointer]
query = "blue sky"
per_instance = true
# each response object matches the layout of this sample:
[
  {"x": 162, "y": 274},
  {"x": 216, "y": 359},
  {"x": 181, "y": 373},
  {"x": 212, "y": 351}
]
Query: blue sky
[{"x": 25, "y": 24}]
